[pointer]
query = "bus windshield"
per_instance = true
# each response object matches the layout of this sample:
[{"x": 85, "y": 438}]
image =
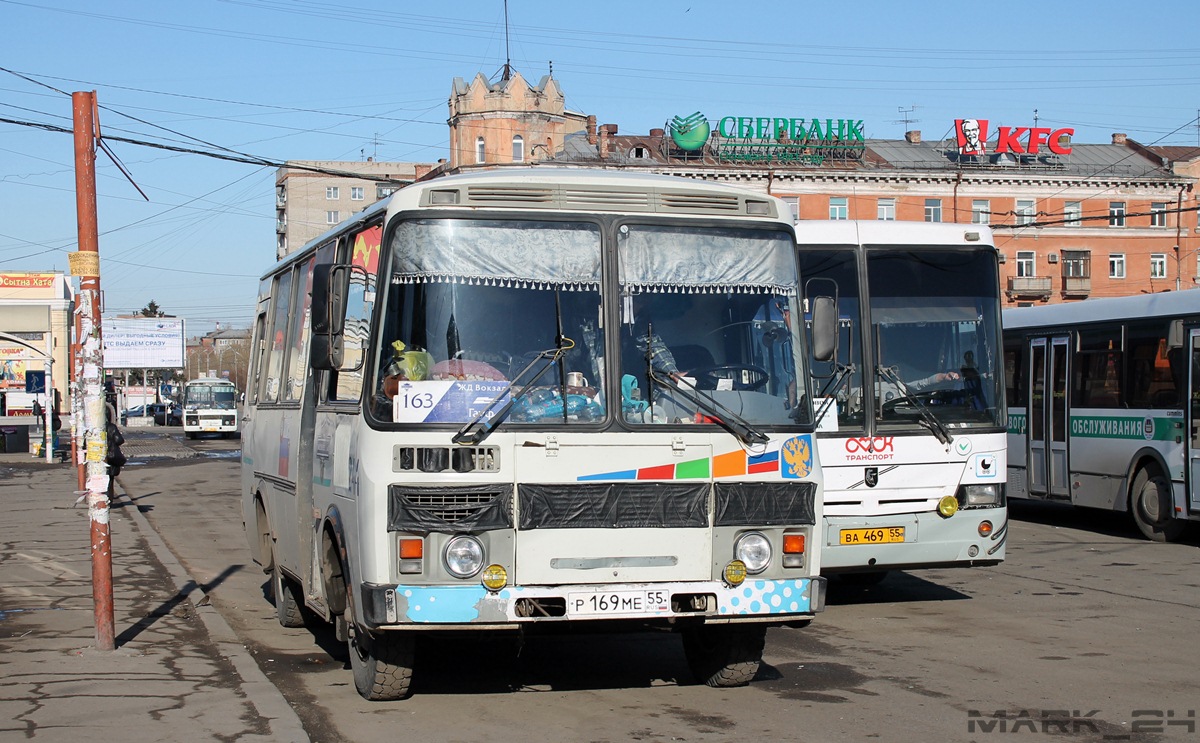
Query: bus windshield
[
  {"x": 475, "y": 309},
  {"x": 931, "y": 330},
  {"x": 935, "y": 322},
  {"x": 212, "y": 396},
  {"x": 470, "y": 304}
]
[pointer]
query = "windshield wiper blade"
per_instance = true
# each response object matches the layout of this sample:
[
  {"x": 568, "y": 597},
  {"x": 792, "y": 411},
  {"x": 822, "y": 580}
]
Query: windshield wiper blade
[
  {"x": 724, "y": 417},
  {"x": 484, "y": 425},
  {"x": 935, "y": 426},
  {"x": 837, "y": 382}
]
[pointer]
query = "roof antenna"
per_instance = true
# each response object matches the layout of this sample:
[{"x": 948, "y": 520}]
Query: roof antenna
[{"x": 507, "y": 55}]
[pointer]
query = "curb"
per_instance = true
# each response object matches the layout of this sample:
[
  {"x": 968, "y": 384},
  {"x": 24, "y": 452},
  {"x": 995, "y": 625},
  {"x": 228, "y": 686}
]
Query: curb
[{"x": 282, "y": 720}]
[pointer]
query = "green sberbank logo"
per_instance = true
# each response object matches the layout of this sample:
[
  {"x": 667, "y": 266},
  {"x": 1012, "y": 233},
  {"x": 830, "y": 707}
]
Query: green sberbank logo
[{"x": 691, "y": 132}]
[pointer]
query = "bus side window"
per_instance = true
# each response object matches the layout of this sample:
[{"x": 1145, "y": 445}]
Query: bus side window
[{"x": 277, "y": 338}]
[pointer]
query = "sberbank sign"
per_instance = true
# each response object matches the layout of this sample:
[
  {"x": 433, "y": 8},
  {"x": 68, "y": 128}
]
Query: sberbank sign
[
  {"x": 795, "y": 130},
  {"x": 769, "y": 138}
]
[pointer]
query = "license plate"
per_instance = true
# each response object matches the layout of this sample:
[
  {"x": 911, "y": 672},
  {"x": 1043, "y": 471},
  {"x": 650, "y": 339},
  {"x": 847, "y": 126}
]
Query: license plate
[
  {"x": 882, "y": 535},
  {"x": 614, "y": 603}
]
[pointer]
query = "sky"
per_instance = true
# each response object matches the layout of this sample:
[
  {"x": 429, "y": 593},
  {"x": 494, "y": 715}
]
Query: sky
[{"x": 284, "y": 80}]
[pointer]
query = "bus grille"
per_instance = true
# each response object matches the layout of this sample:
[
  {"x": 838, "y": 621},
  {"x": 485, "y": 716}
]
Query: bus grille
[{"x": 449, "y": 509}]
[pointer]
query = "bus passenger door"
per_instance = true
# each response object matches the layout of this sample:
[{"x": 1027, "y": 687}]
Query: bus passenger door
[
  {"x": 1047, "y": 406},
  {"x": 1193, "y": 423}
]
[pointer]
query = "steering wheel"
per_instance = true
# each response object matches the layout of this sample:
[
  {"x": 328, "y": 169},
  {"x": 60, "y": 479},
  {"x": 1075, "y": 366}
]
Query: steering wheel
[
  {"x": 744, "y": 376},
  {"x": 936, "y": 397}
]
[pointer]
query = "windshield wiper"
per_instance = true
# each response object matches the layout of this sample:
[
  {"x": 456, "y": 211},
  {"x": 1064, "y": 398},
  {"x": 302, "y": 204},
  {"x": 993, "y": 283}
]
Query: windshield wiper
[
  {"x": 929, "y": 420},
  {"x": 840, "y": 377},
  {"x": 484, "y": 425},
  {"x": 723, "y": 416}
]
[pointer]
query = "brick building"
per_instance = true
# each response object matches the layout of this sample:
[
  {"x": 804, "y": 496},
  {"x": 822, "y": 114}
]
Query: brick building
[{"x": 1092, "y": 220}]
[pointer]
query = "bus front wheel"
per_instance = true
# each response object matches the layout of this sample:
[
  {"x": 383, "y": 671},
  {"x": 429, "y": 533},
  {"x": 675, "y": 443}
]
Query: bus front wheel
[
  {"x": 725, "y": 654},
  {"x": 382, "y": 662},
  {"x": 1150, "y": 503}
]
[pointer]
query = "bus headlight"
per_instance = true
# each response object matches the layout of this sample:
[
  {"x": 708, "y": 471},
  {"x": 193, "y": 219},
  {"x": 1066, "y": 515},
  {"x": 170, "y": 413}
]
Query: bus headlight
[
  {"x": 754, "y": 550},
  {"x": 463, "y": 556},
  {"x": 978, "y": 495}
]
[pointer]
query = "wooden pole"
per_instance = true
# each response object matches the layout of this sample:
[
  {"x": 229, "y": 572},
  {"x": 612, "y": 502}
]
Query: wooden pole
[{"x": 92, "y": 362}]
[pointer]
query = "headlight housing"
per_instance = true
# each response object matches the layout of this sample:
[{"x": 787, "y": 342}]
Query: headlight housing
[
  {"x": 980, "y": 495},
  {"x": 463, "y": 556},
  {"x": 754, "y": 549}
]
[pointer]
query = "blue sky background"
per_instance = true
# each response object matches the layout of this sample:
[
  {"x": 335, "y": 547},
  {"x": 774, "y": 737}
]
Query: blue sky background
[{"x": 313, "y": 80}]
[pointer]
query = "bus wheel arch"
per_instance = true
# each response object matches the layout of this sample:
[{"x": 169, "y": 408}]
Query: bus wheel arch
[
  {"x": 1151, "y": 501},
  {"x": 264, "y": 541},
  {"x": 333, "y": 570}
]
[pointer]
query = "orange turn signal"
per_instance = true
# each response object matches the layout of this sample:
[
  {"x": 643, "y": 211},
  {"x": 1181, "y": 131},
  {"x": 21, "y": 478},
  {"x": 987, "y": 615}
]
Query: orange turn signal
[
  {"x": 793, "y": 544},
  {"x": 985, "y": 528},
  {"x": 412, "y": 549}
]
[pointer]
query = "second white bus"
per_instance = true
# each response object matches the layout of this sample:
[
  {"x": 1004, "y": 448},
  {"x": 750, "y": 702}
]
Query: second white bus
[{"x": 911, "y": 411}]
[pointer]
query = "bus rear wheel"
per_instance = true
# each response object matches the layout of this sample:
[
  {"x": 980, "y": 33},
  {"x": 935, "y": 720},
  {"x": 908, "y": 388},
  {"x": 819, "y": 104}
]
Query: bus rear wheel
[
  {"x": 1150, "y": 503},
  {"x": 382, "y": 662},
  {"x": 289, "y": 603},
  {"x": 724, "y": 655}
]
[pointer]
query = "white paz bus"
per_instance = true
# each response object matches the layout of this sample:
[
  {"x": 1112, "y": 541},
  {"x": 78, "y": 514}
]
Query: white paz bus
[
  {"x": 210, "y": 405},
  {"x": 529, "y": 397},
  {"x": 1105, "y": 406},
  {"x": 911, "y": 408}
]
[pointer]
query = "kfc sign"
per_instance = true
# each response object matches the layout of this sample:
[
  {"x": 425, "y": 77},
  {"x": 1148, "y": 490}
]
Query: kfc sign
[{"x": 972, "y": 137}]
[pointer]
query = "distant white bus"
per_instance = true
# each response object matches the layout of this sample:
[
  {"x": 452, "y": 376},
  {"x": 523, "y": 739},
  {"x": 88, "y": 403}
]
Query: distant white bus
[
  {"x": 911, "y": 410},
  {"x": 210, "y": 405},
  {"x": 1104, "y": 399},
  {"x": 531, "y": 398}
]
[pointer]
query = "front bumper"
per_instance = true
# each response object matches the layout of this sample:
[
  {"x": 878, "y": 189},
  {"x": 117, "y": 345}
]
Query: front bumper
[
  {"x": 474, "y": 607},
  {"x": 930, "y": 541}
]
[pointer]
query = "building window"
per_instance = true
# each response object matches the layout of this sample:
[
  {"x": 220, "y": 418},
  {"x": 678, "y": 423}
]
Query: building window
[
  {"x": 332, "y": 217},
  {"x": 933, "y": 210},
  {"x": 356, "y": 193},
  {"x": 1116, "y": 214},
  {"x": 1026, "y": 262},
  {"x": 518, "y": 149},
  {"x": 885, "y": 210},
  {"x": 332, "y": 193},
  {"x": 480, "y": 151},
  {"x": 981, "y": 211},
  {"x": 1077, "y": 264},
  {"x": 839, "y": 207},
  {"x": 1025, "y": 212},
  {"x": 1072, "y": 213},
  {"x": 1116, "y": 266},
  {"x": 1158, "y": 265},
  {"x": 1158, "y": 214},
  {"x": 382, "y": 191},
  {"x": 793, "y": 203}
]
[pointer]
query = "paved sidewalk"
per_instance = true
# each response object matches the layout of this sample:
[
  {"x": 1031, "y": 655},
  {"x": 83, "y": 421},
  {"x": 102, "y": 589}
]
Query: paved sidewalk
[{"x": 178, "y": 673}]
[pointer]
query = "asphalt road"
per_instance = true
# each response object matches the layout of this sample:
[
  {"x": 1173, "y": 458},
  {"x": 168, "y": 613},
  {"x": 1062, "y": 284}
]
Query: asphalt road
[{"x": 1086, "y": 633}]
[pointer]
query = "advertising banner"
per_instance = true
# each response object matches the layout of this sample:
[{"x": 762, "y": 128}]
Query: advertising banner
[{"x": 143, "y": 343}]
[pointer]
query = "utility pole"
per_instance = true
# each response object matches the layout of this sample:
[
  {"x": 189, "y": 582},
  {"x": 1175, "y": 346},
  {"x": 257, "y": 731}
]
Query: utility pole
[{"x": 86, "y": 265}]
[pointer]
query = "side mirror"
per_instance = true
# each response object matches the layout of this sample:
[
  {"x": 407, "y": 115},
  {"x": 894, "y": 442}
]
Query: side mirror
[
  {"x": 330, "y": 284},
  {"x": 824, "y": 328}
]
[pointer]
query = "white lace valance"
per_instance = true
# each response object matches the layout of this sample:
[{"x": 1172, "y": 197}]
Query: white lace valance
[
  {"x": 707, "y": 261},
  {"x": 523, "y": 254}
]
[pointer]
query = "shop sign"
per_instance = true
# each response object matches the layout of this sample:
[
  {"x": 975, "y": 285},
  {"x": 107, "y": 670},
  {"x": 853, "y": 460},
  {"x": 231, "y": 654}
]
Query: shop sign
[
  {"x": 27, "y": 280},
  {"x": 972, "y": 138}
]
